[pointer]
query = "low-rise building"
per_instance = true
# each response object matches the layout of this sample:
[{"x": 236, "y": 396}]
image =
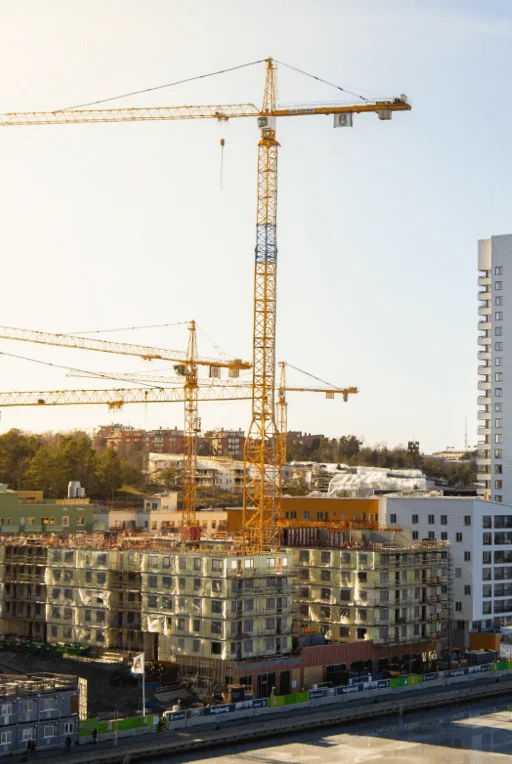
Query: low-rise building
[
  {"x": 27, "y": 511},
  {"x": 228, "y": 443},
  {"x": 158, "y": 514},
  {"x": 43, "y": 708}
]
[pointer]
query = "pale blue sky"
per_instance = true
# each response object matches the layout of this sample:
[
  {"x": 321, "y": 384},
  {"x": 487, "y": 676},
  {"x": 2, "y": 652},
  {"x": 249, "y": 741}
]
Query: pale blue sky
[{"x": 122, "y": 225}]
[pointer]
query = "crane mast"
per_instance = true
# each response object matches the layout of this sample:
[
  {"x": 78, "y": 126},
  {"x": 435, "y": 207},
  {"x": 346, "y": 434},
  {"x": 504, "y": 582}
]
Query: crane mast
[
  {"x": 192, "y": 428},
  {"x": 262, "y": 487}
]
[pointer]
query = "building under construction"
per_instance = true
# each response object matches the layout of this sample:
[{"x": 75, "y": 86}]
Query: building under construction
[{"x": 225, "y": 615}]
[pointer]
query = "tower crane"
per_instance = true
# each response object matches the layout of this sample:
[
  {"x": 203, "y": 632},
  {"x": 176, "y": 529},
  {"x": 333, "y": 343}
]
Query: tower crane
[
  {"x": 282, "y": 404},
  {"x": 262, "y": 452},
  {"x": 187, "y": 368}
]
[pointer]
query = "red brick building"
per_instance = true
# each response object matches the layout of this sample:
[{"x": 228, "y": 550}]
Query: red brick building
[{"x": 228, "y": 443}]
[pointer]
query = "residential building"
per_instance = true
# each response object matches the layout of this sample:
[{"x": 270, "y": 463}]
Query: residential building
[
  {"x": 27, "y": 511},
  {"x": 390, "y": 595},
  {"x": 224, "y": 474},
  {"x": 157, "y": 514},
  {"x": 228, "y": 443},
  {"x": 495, "y": 368},
  {"x": 165, "y": 441},
  {"x": 43, "y": 708},
  {"x": 480, "y": 537},
  {"x": 451, "y": 454}
]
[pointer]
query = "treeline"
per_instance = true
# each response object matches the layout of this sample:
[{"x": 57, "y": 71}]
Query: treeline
[
  {"x": 49, "y": 461},
  {"x": 350, "y": 450}
]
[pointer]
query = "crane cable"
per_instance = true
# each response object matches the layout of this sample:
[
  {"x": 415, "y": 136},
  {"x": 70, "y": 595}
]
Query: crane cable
[
  {"x": 312, "y": 376},
  {"x": 161, "y": 87}
]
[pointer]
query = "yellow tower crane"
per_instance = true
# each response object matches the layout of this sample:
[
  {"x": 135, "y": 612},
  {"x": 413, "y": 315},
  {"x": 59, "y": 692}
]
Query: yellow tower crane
[
  {"x": 282, "y": 404},
  {"x": 187, "y": 368},
  {"x": 262, "y": 474}
]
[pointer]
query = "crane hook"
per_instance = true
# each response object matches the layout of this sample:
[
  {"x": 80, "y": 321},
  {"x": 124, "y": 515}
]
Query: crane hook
[{"x": 222, "y": 144}]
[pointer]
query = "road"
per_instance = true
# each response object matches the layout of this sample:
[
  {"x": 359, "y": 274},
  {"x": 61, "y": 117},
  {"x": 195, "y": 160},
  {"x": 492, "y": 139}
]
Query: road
[{"x": 480, "y": 733}]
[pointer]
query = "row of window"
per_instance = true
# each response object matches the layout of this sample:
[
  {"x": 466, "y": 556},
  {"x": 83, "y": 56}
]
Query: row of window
[{"x": 431, "y": 519}]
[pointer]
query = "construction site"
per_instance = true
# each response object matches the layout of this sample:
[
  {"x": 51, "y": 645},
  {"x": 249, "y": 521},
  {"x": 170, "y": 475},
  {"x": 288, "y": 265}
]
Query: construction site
[{"x": 277, "y": 603}]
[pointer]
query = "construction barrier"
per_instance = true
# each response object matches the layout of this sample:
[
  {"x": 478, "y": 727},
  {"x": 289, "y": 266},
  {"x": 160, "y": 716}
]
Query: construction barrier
[
  {"x": 110, "y": 726},
  {"x": 322, "y": 695}
]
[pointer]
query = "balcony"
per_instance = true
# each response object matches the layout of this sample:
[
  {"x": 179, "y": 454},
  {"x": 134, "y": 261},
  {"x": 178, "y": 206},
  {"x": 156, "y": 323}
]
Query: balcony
[
  {"x": 483, "y": 400},
  {"x": 484, "y": 386},
  {"x": 484, "y": 310},
  {"x": 484, "y": 355},
  {"x": 484, "y": 370},
  {"x": 484, "y": 281},
  {"x": 484, "y": 295},
  {"x": 484, "y": 325}
]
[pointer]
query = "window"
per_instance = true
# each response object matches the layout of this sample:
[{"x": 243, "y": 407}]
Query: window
[
  {"x": 362, "y": 577},
  {"x": 498, "y": 361},
  {"x": 498, "y": 407},
  {"x": 498, "y": 301},
  {"x": 5, "y": 737},
  {"x": 498, "y": 392},
  {"x": 48, "y": 730},
  {"x": 392, "y": 519},
  {"x": 431, "y": 535},
  {"x": 498, "y": 484},
  {"x": 216, "y": 606},
  {"x": 444, "y": 519},
  {"x": 326, "y": 556},
  {"x": 344, "y": 631},
  {"x": 216, "y": 648},
  {"x": 197, "y": 563},
  {"x": 414, "y": 519},
  {"x": 361, "y": 633},
  {"x": 458, "y": 572},
  {"x": 271, "y": 603},
  {"x": 498, "y": 315},
  {"x": 181, "y": 624},
  {"x": 458, "y": 606},
  {"x": 487, "y": 538},
  {"x": 444, "y": 536},
  {"x": 6, "y": 709},
  {"x": 26, "y": 734},
  {"x": 304, "y": 555},
  {"x": 467, "y": 519},
  {"x": 498, "y": 469},
  {"x": 498, "y": 376},
  {"x": 498, "y": 498},
  {"x": 498, "y": 346},
  {"x": 307, "y": 514},
  {"x": 467, "y": 589},
  {"x": 487, "y": 558},
  {"x": 248, "y": 647},
  {"x": 498, "y": 270},
  {"x": 325, "y": 575},
  {"x": 467, "y": 556},
  {"x": 498, "y": 285},
  {"x": 498, "y": 331},
  {"x": 216, "y": 627},
  {"x": 415, "y": 535},
  {"x": 249, "y": 605},
  {"x": 498, "y": 437},
  {"x": 325, "y": 594},
  {"x": 101, "y": 577},
  {"x": 270, "y": 624},
  {"x": 498, "y": 453},
  {"x": 431, "y": 519},
  {"x": 322, "y": 515}
]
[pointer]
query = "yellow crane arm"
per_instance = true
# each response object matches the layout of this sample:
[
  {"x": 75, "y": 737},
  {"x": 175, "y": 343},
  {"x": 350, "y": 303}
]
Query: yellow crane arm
[
  {"x": 152, "y": 379},
  {"x": 106, "y": 346},
  {"x": 118, "y": 398},
  {"x": 221, "y": 112},
  {"x": 328, "y": 390}
]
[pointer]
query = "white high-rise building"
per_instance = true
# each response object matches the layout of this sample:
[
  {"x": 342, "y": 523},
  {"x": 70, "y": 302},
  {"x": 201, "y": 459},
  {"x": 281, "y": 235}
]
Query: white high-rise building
[{"x": 495, "y": 368}]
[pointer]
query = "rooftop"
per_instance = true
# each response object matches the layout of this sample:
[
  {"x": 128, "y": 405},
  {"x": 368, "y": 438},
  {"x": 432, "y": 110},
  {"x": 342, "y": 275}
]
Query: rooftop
[{"x": 32, "y": 684}]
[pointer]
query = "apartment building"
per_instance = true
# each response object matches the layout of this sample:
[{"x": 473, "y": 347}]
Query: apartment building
[
  {"x": 480, "y": 536},
  {"x": 216, "y": 606},
  {"x": 389, "y": 595},
  {"x": 24, "y": 511},
  {"x": 495, "y": 368},
  {"x": 228, "y": 443}
]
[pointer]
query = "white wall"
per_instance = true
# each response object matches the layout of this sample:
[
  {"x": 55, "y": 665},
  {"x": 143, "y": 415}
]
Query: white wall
[{"x": 455, "y": 509}]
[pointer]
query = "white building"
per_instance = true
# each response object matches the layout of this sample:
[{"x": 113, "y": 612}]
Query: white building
[
  {"x": 495, "y": 368},
  {"x": 157, "y": 515},
  {"x": 480, "y": 536}
]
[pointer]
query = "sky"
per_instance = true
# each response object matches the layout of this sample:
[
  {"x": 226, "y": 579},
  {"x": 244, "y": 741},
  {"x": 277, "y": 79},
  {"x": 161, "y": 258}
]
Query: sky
[{"x": 114, "y": 226}]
